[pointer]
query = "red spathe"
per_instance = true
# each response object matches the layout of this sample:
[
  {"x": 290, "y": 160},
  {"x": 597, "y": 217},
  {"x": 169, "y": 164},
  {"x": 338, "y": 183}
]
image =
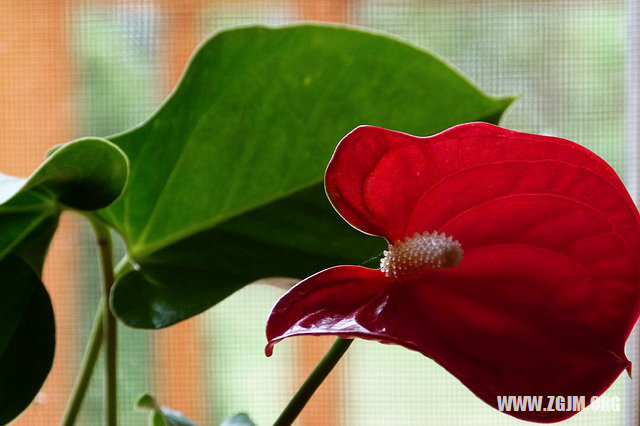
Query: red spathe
[{"x": 547, "y": 292}]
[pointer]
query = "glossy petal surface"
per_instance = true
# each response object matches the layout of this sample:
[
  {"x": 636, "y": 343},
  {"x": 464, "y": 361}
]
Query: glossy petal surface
[{"x": 547, "y": 292}]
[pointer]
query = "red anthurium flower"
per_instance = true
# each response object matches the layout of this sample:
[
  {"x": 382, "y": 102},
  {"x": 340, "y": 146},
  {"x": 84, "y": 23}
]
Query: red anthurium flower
[{"x": 513, "y": 260}]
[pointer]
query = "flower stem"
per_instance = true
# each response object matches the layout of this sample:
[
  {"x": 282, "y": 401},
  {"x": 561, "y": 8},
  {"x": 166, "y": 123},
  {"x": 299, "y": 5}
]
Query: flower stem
[
  {"x": 105, "y": 251},
  {"x": 87, "y": 366},
  {"x": 314, "y": 381}
]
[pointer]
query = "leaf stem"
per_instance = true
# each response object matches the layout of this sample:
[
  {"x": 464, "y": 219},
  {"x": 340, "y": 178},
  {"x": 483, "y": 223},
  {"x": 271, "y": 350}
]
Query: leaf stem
[
  {"x": 315, "y": 379},
  {"x": 105, "y": 252},
  {"x": 89, "y": 360}
]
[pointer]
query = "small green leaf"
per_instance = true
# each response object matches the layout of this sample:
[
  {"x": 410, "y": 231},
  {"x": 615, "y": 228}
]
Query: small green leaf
[
  {"x": 226, "y": 178},
  {"x": 240, "y": 419},
  {"x": 86, "y": 174},
  {"x": 27, "y": 336},
  {"x": 161, "y": 416}
]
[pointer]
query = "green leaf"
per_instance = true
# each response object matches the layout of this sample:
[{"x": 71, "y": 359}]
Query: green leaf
[
  {"x": 86, "y": 174},
  {"x": 27, "y": 336},
  {"x": 296, "y": 236},
  {"x": 240, "y": 419},
  {"x": 226, "y": 178},
  {"x": 161, "y": 416}
]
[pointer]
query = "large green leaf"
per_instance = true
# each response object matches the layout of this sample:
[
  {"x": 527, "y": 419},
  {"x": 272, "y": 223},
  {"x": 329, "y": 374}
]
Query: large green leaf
[
  {"x": 226, "y": 178},
  {"x": 85, "y": 175}
]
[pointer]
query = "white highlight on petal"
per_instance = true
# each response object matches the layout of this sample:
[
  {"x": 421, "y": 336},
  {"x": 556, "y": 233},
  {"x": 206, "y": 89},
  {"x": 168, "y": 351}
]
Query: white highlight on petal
[{"x": 419, "y": 253}]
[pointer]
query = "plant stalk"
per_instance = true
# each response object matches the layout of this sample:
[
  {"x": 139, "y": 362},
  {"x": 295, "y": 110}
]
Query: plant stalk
[
  {"x": 89, "y": 360},
  {"x": 315, "y": 379},
  {"x": 105, "y": 252}
]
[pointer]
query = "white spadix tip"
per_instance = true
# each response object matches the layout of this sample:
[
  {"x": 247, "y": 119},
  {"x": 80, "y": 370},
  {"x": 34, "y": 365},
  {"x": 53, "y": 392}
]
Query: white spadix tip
[{"x": 414, "y": 255}]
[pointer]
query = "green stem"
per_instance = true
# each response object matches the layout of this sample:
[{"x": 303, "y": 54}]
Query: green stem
[
  {"x": 105, "y": 251},
  {"x": 314, "y": 381},
  {"x": 87, "y": 366}
]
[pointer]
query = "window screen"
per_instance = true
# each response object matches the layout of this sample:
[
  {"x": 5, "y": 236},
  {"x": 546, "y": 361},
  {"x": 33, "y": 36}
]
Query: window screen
[{"x": 79, "y": 68}]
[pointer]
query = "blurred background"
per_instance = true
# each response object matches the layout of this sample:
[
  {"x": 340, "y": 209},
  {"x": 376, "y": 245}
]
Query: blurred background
[{"x": 77, "y": 68}]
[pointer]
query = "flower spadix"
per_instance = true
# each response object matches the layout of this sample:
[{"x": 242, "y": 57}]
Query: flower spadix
[
  {"x": 420, "y": 253},
  {"x": 546, "y": 292}
]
